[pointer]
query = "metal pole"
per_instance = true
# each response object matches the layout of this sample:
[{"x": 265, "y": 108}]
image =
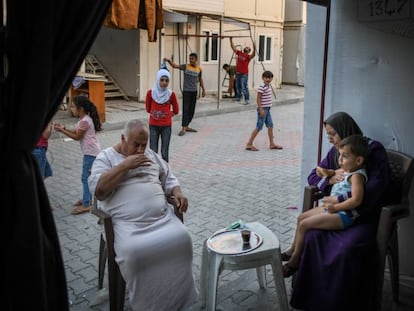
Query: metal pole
[
  {"x": 219, "y": 88},
  {"x": 323, "y": 89}
]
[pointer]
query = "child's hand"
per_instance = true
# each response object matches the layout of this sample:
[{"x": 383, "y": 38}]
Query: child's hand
[
  {"x": 330, "y": 208},
  {"x": 261, "y": 111},
  {"x": 330, "y": 200},
  {"x": 58, "y": 127},
  {"x": 337, "y": 177}
]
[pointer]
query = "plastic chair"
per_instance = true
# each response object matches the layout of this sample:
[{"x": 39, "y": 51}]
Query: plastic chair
[
  {"x": 400, "y": 191},
  {"x": 116, "y": 283},
  {"x": 267, "y": 253}
]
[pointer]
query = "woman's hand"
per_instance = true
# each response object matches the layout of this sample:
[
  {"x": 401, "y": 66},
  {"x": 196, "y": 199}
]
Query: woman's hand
[{"x": 324, "y": 172}]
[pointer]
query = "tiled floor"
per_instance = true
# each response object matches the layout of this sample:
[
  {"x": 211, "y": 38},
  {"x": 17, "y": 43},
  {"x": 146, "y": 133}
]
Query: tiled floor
[{"x": 406, "y": 301}]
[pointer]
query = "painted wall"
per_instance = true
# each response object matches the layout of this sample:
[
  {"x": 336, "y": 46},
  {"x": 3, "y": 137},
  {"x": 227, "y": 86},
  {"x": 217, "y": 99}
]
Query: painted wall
[
  {"x": 177, "y": 47},
  {"x": 267, "y": 9},
  {"x": 294, "y": 43},
  {"x": 150, "y": 63},
  {"x": 117, "y": 50},
  {"x": 371, "y": 76},
  {"x": 265, "y": 18}
]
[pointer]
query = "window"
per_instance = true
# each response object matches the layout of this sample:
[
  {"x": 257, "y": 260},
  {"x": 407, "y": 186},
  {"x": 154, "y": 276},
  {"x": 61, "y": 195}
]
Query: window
[
  {"x": 265, "y": 48},
  {"x": 211, "y": 46}
]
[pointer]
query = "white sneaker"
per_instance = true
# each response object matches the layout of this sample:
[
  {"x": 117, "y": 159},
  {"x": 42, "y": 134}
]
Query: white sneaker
[{"x": 247, "y": 102}]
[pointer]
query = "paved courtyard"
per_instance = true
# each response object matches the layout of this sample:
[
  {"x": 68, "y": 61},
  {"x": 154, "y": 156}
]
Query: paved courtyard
[{"x": 223, "y": 182}]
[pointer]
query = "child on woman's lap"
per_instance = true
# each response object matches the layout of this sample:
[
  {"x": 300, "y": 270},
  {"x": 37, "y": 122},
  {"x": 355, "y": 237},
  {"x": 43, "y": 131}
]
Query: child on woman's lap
[{"x": 333, "y": 215}]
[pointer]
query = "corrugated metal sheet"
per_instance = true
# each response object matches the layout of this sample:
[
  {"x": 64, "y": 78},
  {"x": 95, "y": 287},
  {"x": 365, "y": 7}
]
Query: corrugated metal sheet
[{"x": 202, "y": 6}]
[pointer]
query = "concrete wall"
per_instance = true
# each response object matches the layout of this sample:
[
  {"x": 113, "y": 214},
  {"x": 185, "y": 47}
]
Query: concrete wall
[
  {"x": 371, "y": 76},
  {"x": 265, "y": 9},
  {"x": 117, "y": 50},
  {"x": 150, "y": 62},
  {"x": 294, "y": 43}
]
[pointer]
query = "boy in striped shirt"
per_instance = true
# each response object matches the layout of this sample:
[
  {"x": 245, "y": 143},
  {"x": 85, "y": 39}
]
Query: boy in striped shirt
[{"x": 264, "y": 103}]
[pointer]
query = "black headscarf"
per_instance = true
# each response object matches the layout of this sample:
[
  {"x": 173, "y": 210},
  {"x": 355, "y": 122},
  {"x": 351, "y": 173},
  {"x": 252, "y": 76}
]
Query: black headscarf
[{"x": 344, "y": 125}]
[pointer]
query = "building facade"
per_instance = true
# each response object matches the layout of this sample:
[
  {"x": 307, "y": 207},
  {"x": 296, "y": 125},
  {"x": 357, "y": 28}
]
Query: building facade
[{"x": 205, "y": 29}]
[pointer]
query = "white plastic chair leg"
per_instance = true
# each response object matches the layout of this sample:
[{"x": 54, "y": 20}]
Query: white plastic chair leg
[
  {"x": 215, "y": 262},
  {"x": 261, "y": 276},
  {"x": 280, "y": 284}
]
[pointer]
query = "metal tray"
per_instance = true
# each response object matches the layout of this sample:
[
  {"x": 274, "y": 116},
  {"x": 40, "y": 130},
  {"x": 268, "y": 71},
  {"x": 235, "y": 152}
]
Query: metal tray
[{"x": 230, "y": 242}]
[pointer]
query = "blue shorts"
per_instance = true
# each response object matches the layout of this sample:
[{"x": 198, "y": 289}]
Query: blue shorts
[
  {"x": 267, "y": 119},
  {"x": 346, "y": 219}
]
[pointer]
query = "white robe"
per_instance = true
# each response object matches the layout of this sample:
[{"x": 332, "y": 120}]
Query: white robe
[{"x": 153, "y": 248}]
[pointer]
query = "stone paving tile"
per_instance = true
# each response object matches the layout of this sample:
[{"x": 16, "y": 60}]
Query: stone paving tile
[{"x": 223, "y": 182}]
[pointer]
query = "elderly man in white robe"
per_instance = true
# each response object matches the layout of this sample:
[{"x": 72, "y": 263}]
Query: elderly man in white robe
[{"x": 153, "y": 247}]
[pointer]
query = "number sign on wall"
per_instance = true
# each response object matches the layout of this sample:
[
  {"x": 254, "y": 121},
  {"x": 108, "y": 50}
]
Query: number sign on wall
[{"x": 383, "y": 10}]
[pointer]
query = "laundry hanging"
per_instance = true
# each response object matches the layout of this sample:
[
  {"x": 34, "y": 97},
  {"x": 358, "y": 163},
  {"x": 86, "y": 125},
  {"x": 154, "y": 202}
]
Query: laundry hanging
[{"x": 134, "y": 14}]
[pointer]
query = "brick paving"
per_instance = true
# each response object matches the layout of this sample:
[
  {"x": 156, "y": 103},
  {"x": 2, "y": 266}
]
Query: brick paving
[{"x": 222, "y": 180}]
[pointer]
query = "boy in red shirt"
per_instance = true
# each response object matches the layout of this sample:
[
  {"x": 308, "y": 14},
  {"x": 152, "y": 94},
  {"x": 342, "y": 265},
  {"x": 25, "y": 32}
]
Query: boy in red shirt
[
  {"x": 242, "y": 71},
  {"x": 161, "y": 103}
]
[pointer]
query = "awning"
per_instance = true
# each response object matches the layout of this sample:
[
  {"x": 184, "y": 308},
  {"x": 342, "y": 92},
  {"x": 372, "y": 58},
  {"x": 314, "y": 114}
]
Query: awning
[{"x": 174, "y": 17}]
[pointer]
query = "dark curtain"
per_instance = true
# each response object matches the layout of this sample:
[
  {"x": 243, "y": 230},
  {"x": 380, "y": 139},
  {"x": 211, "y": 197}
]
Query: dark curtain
[{"x": 42, "y": 44}]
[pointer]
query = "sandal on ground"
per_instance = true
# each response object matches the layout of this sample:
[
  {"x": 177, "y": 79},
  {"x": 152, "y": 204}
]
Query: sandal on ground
[
  {"x": 181, "y": 133},
  {"x": 285, "y": 257},
  {"x": 276, "y": 147},
  {"x": 189, "y": 129},
  {"x": 80, "y": 210},
  {"x": 251, "y": 148},
  {"x": 78, "y": 203},
  {"x": 288, "y": 270}
]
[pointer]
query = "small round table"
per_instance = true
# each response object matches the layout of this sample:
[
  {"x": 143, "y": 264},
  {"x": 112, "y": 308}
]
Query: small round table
[{"x": 268, "y": 252}]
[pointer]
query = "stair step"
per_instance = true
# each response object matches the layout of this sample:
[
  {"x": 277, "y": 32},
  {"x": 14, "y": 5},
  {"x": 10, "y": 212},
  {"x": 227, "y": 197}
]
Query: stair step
[
  {"x": 112, "y": 89},
  {"x": 114, "y": 96}
]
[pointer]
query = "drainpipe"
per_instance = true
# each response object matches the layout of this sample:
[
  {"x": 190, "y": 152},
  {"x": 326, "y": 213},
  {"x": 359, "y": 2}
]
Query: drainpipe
[{"x": 323, "y": 89}]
